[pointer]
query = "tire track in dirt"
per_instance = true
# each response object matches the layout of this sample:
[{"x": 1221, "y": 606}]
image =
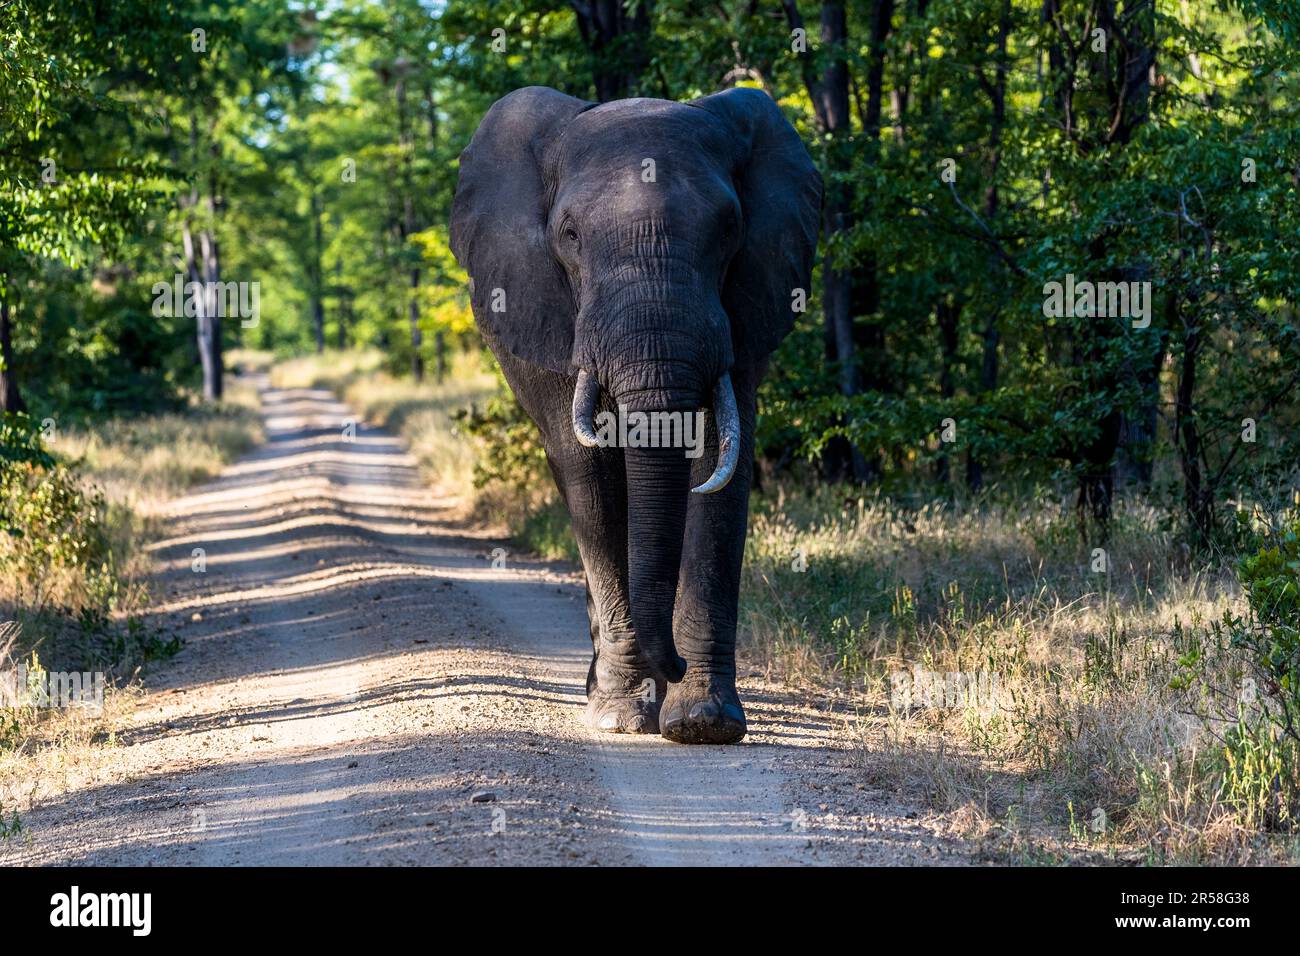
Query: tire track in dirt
[{"x": 360, "y": 685}]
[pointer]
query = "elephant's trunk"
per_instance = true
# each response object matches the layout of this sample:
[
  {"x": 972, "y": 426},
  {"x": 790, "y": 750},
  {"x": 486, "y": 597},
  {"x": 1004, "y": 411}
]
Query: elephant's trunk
[
  {"x": 658, "y": 344},
  {"x": 658, "y": 486},
  {"x": 658, "y": 483}
]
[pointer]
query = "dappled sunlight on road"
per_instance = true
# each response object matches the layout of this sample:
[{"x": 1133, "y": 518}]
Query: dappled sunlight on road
[{"x": 358, "y": 672}]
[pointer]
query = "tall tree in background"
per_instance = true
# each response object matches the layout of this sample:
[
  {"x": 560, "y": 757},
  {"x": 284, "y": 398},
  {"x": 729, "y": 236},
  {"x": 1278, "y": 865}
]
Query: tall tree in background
[
  {"x": 315, "y": 152},
  {"x": 60, "y": 191},
  {"x": 617, "y": 32},
  {"x": 829, "y": 93}
]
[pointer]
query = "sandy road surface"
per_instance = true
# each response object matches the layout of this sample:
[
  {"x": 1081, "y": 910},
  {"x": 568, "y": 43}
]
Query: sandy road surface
[{"x": 361, "y": 685}]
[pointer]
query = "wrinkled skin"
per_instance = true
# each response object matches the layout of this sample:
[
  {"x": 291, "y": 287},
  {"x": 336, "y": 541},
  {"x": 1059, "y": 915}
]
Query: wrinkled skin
[{"x": 658, "y": 247}]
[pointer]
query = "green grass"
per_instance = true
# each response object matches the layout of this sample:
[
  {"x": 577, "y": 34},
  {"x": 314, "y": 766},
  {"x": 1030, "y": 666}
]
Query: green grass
[{"x": 546, "y": 531}]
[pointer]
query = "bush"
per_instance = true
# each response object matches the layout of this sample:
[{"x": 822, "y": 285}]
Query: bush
[
  {"x": 512, "y": 454},
  {"x": 511, "y": 469},
  {"x": 1262, "y": 750},
  {"x": 1257, "y": 762},
  {"x": 50, "y": 522},
  {"x": 1271, "y": 579}
]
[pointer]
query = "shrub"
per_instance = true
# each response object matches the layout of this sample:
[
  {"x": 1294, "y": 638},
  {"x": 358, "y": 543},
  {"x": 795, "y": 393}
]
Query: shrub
[
  {"x": 1262, "y": 749},
  {"x": 50, "y": 522},
  {"x": 1253, "y": 706},
  {"x": 511, "y": 450}
]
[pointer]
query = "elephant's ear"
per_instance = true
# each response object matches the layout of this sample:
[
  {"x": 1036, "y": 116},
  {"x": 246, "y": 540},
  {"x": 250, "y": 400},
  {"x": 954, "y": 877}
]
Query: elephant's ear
[
  {"x": 498, "y": 227},
  {"x": 780, "y": 195}
]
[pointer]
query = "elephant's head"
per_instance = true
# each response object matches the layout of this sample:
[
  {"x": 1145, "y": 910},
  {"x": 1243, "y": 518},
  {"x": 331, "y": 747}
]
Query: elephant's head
[{"x": 649, "y": 247}]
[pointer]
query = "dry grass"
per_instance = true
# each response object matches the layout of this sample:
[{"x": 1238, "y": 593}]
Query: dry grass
[
  {"x": 82, "y": 616},
  {"x": 45, "y": 751},
  {"x": 422, "y": 414},
  {"x": 1083, "y": 745},
  {"x": 141, "y": 463}
]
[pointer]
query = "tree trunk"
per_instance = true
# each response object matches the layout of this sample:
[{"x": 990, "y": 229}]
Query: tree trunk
[
  {"x": 1198, "y": 504},
  {"x": 318, "y": 275},
  {"x": 203, "y": 267},
  {"x": 439, "y": 355},
  {"x": 215, "y": 387},
  {"x": 1131, "y": 108},
  {"x": 829, "y": 93},
  {"x": 206, "y": 330},
  {"x": 1138, "y": 435},
  {"x": 344, "y": 306},
  {"x": 990, "y": 338},
  {"x": 619, "y": 43},
  {"x": 1120, "y": 84},
  {"x": 408, "y": 228},
  {"x": 948, "y": 314},
  {"x": 417, "y": 337},
  {"x": 865, "y": 293},
  {"x": 11, "y": 400},
  {"x": 988, "y": 382}
]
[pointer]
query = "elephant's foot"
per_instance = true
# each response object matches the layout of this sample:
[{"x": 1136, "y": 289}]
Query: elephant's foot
[
  {"x": 702, "y": 712},
  {"x": 622, "y": 713}
]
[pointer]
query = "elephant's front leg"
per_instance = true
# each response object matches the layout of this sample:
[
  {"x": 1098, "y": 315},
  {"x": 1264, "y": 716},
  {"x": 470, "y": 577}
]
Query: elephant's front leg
[
  {"x": 622, "y": 697},
  {"x": 704, "y": 708}
]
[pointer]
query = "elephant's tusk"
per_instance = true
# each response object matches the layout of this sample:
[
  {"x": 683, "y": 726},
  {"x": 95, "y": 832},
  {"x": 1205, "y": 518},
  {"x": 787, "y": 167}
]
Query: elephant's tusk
[
  {"x": 585, "y": 394},
  {"x": 727, "y": 419}
]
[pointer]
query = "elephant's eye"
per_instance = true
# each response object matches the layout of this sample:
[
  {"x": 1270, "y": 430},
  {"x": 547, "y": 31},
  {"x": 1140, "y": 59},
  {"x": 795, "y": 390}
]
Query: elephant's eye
[{"x": 570, "y": 233}]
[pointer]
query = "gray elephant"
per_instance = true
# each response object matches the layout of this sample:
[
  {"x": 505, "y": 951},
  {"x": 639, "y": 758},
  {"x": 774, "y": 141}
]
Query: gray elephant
[{"x": 643, "y": 257}]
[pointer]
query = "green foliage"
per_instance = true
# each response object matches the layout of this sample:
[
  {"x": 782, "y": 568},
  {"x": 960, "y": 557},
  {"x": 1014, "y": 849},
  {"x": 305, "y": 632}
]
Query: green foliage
[
  {"x": 20, "y": 443},
  {"x": 61, "y": 584},
  {"x": 49, "y": 521},
  {"x": 511, "y": 451},
  {"x": 1258, "y": 758},
  {"x": 320, "y": 149},
  {"x": 547, "y": 531},
  {"x": 1263, "y": 749},
  {"x": 11, "y": 825},
  {"x": 1271, "y": 579},
  {"x": 511, "y": 472}
]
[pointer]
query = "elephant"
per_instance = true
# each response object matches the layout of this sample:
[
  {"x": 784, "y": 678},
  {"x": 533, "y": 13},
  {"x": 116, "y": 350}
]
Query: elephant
[{"x": 643, "y": 256}]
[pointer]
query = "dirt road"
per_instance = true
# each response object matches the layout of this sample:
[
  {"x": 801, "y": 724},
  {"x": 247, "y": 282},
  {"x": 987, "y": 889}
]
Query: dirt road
[{"x": 366, "y": 682}]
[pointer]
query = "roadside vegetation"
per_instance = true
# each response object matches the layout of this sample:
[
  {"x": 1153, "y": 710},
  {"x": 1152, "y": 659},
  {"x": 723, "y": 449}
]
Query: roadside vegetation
[
  {"x": 77, "y": 507},
  {"x": 1138, "y": 704}
]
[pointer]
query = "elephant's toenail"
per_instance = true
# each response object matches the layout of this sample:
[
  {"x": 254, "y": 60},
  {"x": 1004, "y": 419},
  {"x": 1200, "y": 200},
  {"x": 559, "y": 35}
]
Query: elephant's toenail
[
  {"x": 704, "y": 710},
  {"x": 639, "y": 724},
  {"x": 609, "y": 722}
]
